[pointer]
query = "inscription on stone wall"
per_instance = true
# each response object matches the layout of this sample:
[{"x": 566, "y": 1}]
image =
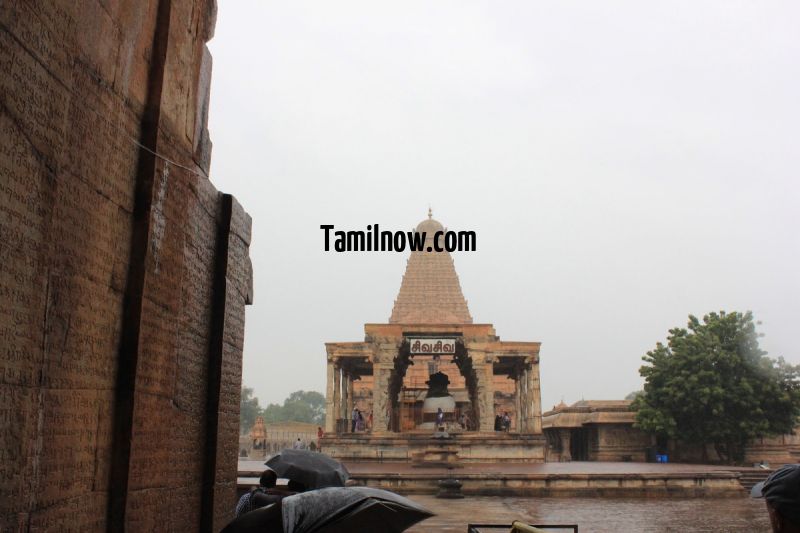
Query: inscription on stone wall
[{"x": 73, "y": 80}]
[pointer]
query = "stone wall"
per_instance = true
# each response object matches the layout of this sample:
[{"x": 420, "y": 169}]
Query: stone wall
[
  {"x": 618, "y": 442},
  {"x": 774, "y": 451},
  {"x": 123, "y": 275}
]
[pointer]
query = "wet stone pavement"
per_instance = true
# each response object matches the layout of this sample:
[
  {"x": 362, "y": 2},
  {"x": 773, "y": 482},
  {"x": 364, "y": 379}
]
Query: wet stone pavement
[{"x": 717, "y": 515}]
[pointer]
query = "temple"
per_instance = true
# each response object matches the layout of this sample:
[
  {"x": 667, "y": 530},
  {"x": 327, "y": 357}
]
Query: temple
[{"x": 430, "y": 384}]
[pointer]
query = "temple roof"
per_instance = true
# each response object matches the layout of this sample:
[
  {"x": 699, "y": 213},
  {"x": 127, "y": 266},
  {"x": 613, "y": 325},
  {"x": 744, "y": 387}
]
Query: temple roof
[
  {"x": 430, "y": 292},
  {"x": 589, "y": 412}
]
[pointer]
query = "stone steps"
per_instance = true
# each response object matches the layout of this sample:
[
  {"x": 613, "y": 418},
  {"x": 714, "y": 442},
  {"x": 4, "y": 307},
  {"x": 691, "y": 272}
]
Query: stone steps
[{"x": 749, "y": 477}]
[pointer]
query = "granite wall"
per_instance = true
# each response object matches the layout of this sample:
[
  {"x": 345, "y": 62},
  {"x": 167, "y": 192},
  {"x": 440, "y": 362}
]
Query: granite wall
[{"x": 123, "y": 274}]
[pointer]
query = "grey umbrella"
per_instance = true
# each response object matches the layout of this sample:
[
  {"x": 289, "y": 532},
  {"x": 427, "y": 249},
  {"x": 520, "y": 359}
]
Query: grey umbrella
[
  {"x": 347, "y": 509},
  {"x": 313, "y": 469}
]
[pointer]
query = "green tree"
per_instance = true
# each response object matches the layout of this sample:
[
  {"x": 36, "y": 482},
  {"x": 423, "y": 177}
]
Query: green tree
[
  {"x": 300, "y": 406},
  {"x": 248, "y": 410},
  {"x": 712, "y": 383}
]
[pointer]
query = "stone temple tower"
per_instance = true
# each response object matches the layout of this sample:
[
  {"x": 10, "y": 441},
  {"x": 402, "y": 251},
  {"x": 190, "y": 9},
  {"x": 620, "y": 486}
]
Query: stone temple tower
[{"x": 430, "y": 292}]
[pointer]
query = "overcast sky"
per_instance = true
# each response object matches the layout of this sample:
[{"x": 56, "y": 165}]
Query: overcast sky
[{"x": 624, "y": 164}]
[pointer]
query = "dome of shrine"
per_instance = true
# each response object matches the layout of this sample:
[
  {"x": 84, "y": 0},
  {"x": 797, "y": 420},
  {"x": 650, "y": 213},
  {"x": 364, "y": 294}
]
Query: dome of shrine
[{"x": 429, "y": 225}]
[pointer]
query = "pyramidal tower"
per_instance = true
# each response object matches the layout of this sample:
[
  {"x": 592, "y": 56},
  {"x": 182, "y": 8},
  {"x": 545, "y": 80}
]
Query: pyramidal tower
[{"x": 430, "y": 292}]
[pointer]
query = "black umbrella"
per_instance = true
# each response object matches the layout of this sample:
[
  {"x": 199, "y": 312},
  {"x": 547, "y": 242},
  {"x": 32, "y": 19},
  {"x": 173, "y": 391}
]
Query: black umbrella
[
  {"x": 347, "y": 509},
  {"x": 312, "y": 469},
  {"x": 333, "y": 510}
]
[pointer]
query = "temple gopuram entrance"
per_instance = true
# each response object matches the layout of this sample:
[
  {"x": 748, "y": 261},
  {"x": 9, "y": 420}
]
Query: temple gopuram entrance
[{"x": 431, "y": 373}]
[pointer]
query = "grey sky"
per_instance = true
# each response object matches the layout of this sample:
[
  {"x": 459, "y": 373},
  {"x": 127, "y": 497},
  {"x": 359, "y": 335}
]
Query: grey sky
[{"x": 624, "y": 164}]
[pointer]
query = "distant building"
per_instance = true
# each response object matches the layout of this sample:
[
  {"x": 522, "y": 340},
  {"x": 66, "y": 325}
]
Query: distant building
[
  {"x": 602, "y": 430},
  {"x": 592, "y": 430},
  {"x": 264, "y": 440}
]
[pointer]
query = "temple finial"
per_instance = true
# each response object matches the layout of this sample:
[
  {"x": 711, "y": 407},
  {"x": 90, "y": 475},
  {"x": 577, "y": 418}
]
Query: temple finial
[{"x": 430, "y": 212}]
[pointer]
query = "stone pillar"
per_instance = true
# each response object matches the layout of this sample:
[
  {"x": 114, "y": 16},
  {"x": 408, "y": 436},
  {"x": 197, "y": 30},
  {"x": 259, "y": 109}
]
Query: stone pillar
[
  {"x": 343, "y": 413},
  {"x": 535, "y": 399},
  {"x": 349, "y": 391},
  {"x": 524, "y": 400},
  {"x": 330, "y": 401},
  {"x": 337, "y": 393},
  {"x": 518, "y": 418},
  {"x": 486, "y": 414},
  {"x": 566, "y": 434},
  {"x": 380, "y": 397}
]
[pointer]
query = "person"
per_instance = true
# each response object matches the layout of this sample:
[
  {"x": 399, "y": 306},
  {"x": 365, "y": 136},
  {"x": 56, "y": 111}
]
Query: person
[
  {"x": 781, "y": 491},
  {"x": 439, "y": 417},
  {"x": 295, "y": 487},
  {"x": 298, "y": 444},
  {"x": 506, "y": 422},
  {"x": 354, "y": 420},
  {"x": 360, "y": 422},
  {"x": 252, "y": 500},
  {"x": 498, "y": 422},
  {"x": 462, "y": 421},
  {"x": 320, "y": 434}
]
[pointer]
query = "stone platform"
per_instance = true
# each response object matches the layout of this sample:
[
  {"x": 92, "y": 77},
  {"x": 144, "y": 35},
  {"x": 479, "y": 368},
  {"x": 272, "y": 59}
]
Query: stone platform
[
  {"x": 472, "y": 447},
  {"x": 585, "y": 479}
]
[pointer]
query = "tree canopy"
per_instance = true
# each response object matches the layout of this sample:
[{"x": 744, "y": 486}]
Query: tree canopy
[
  {"x": 712, "y": 383},
  {"x": 248, "y": 409},
  {"x": 300, "y": 406}
]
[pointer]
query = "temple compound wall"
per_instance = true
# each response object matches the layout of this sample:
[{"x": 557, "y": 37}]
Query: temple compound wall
[{"x": 123, "y": 274}]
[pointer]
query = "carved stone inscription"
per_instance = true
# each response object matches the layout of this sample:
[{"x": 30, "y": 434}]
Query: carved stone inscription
[{"x": 74, "y": 205}]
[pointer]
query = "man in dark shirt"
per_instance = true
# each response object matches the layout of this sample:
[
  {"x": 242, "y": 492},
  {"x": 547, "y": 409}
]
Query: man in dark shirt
[{"x": 265, "y": 494}]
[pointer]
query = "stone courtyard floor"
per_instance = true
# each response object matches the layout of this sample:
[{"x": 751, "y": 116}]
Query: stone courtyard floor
[{"x": 618, "y": 515}]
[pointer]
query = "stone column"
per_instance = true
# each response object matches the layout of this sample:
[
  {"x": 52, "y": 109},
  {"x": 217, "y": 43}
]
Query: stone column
[
  {"x": 484, "y": 373},
  {"x": 518, "y": 402},
  {"x": 380, "y": 397},
  {"x": 330, "y": 401},
  {"x": 337, "y": 392},
  {"x": 349, "y": 391},
  {"x": 343, "y": 413},
  {"x": 566, "y": 434},
  {"x": 535, "y": 399},
  {"x": 524, "y": 400}
]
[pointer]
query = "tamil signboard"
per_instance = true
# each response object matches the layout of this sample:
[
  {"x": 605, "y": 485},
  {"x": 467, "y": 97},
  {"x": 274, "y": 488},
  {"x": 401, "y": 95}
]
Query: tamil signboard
[{"x": 420, "y": 346}]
